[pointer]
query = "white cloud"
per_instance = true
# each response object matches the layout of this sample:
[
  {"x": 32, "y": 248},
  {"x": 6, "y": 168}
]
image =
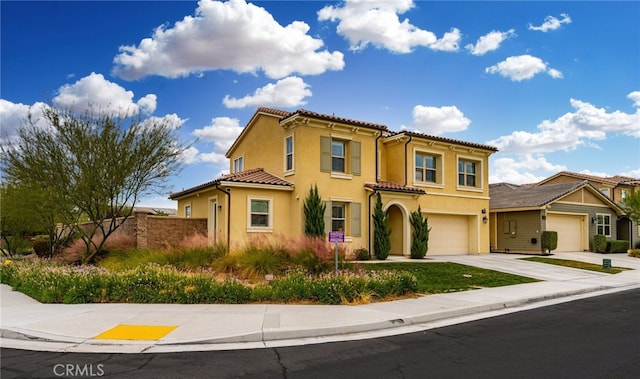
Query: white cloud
[
  {"x": 525, "y": 169},
  {"x": 364, "y": 22},
  {"x": 287, "y": 92},
  {"x": 190, "y": 155},
  {"x": 581, "y": 127},
  {"x": 448, "y": 42},
  {"x": 489, "y": 42},
  {"x": 230, "y": 35},
  {"x": 632, "y": 174},
  {"x": 221, "y": 132},
  {"x": 95, "y": 91},
  {"x": 635, "y": 96},
  {"x": 518, "y": 68},
  {"x": 435, "y": 121},
  {"x": 551, "y": 23},
  {"x": 172, "y": 120}
]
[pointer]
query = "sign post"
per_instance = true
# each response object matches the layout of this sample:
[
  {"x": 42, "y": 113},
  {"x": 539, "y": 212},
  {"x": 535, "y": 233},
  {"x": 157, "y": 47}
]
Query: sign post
[{"x": 336, "y": 237}]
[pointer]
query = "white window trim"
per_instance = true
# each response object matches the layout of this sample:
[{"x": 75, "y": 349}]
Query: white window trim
[
  {"x": 291, "y": 171},
  {"x": 190, "y": 208},
  {"x": 234, "y": 163},
  {"x": 603, "y": 224},
  {"x": 479, "y": 173},
  {"x": 259, "y": 229},
  {"x": 439, "y": 160}
]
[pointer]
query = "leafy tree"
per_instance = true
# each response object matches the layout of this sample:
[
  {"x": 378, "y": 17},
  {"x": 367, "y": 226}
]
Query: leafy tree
[
  {"x": 27, "y": 211},
  {"x": 631, "y": 205},
  {"x": 420, "y": 235},
  {"x": 314, "y": 210},
  {"x": 96, "y": 164},
  {"x": 381, "y": 231}
]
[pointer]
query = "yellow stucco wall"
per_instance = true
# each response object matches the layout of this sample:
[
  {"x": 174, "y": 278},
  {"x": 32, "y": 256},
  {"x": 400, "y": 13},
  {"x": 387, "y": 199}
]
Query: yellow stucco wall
[{"x": 262, "y": 146}]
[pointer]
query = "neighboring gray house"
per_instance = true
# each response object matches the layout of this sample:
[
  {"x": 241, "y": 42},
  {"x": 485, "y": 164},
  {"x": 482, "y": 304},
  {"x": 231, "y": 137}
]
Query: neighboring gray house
[{"x": 577, "y": 211}]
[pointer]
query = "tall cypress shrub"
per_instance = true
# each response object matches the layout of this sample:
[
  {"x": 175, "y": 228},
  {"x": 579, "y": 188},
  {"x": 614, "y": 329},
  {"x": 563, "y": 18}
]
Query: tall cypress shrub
[
  {"x": 381, "y": 231},
  {"x": 314, "y": 210},
  {"x": 420, "y": 240}
]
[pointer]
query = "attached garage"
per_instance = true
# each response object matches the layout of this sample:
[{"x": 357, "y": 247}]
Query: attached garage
[
  {"x": 449, "y": 235},
  {"x": 570, "y": 231}
]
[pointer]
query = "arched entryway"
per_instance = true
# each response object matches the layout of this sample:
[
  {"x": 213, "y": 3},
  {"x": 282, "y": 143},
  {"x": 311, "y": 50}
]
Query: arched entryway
[{"x": 398, "y": 222}]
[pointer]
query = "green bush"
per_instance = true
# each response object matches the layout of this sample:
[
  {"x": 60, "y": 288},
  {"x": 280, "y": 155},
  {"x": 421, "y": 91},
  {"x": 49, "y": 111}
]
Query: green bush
[
  {"x": 599, "y": 243},
  {"x": 549, "y": 240},
  {"x": 361, "y": 254},
  {"x": 42, "y": 246},
  {"x": 617, "y": 246},
  {"x": 420, "y": 235}
]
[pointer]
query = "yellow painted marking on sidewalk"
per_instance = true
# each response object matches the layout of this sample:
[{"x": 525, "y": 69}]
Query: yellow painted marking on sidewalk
[{"x": 136, "y": 332}]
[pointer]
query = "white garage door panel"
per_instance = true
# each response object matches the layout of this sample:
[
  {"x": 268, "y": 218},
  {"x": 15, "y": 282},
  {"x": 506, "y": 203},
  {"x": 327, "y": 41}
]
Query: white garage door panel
[
  {"x": 449, "y": 235},
  {"x": 569, "y": 230}
]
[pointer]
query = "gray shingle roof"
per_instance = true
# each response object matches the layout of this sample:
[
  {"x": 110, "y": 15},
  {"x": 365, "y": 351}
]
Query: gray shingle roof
[{"x": 505, "y": 195}]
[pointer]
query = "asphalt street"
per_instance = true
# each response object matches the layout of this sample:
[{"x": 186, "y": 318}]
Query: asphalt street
[{"x": 597, "y": 337}]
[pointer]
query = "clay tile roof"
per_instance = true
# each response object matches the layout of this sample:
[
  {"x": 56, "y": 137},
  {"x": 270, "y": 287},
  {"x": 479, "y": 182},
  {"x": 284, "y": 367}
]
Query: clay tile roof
[
  {"x": 253, "y": 176},
  {"x": 276, "y": 112},
  {"x": 383, "y": 185},
  {"x": 365, "y": 124},
  {"x": 449, "y": 140}
]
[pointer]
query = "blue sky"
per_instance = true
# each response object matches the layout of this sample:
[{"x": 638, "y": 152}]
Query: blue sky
[{"x": 554, "y": 85}]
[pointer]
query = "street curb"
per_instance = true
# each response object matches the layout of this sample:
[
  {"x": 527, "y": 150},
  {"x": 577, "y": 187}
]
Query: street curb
[{"x": 272, "y": 334}]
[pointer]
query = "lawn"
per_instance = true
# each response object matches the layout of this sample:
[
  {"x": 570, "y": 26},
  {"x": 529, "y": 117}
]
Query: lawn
[
  {"x": 577, "y": 264},
  {"x": 440, "y": 277}
]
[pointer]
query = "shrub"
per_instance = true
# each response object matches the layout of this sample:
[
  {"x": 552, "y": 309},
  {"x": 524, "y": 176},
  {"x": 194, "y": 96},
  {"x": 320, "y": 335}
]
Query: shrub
[
  {"x": 314, "y": 210},
  {"x": 634, "y": 253},
  {"x": 42, "y": 246},
  {"x": 549, "y": 241},
  {"x": 617, "y": 246},
  {"x": 381, "y": 231},
  {"x": 420, "y": 235},
  {"x": 362, "y": 254},
  {"x": 599, "y": 243}
]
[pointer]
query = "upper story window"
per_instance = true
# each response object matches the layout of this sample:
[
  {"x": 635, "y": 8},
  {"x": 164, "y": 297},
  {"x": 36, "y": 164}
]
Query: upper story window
[
  {"x": 338, "y": 156},
  {"x": 603, "y": 224},
  {"x": 426, "y": 168},
  {"x": 467, "y": 173},
  {"x": 187, "y": 211},
  {"x": 238, "y": 164},
  {"x": 605, "y": 191},
  {"x": 623, "y": 194},
  {"x": 288, "y": 153}
]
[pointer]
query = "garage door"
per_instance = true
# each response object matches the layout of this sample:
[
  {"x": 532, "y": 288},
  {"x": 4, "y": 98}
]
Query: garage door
[
  {"x": 569, "y": 230},
  {"x": 449, "y": 235}
]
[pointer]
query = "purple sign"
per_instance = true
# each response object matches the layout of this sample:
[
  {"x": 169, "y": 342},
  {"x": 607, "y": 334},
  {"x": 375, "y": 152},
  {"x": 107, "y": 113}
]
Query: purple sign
[{"x": 337, "y": 237}]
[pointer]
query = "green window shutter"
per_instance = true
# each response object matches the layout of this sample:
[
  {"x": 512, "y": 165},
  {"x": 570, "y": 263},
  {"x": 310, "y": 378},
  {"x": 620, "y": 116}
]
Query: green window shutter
[
  {"x": 325, "y": 154},
  {"x": 355, "y": 220},
  {"x": 355, "y": 157},
  {"x": 327, "y": 216}
]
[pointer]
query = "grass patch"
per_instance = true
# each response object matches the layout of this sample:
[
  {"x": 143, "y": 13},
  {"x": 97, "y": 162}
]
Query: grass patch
[
  {"x": 440, "y": 277},
  {"x": 576, "y": 264}
]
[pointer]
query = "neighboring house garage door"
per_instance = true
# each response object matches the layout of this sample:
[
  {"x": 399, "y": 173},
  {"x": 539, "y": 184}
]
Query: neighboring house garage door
[
  {"x": 569, "y": 230},
  {"x": 449, "y": 235}
]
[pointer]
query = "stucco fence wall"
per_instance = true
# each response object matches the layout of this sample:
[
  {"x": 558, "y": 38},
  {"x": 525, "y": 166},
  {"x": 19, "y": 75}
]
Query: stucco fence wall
[{"x": 158, "y": 232}]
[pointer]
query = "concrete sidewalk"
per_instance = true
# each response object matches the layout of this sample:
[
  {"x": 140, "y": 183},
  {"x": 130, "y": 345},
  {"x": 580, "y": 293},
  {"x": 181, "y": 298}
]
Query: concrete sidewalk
[{"x": 133, "y": 328}]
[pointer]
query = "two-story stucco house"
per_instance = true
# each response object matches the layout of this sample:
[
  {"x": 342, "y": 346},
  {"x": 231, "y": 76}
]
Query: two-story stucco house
[{"x": 280, "y": 155}]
